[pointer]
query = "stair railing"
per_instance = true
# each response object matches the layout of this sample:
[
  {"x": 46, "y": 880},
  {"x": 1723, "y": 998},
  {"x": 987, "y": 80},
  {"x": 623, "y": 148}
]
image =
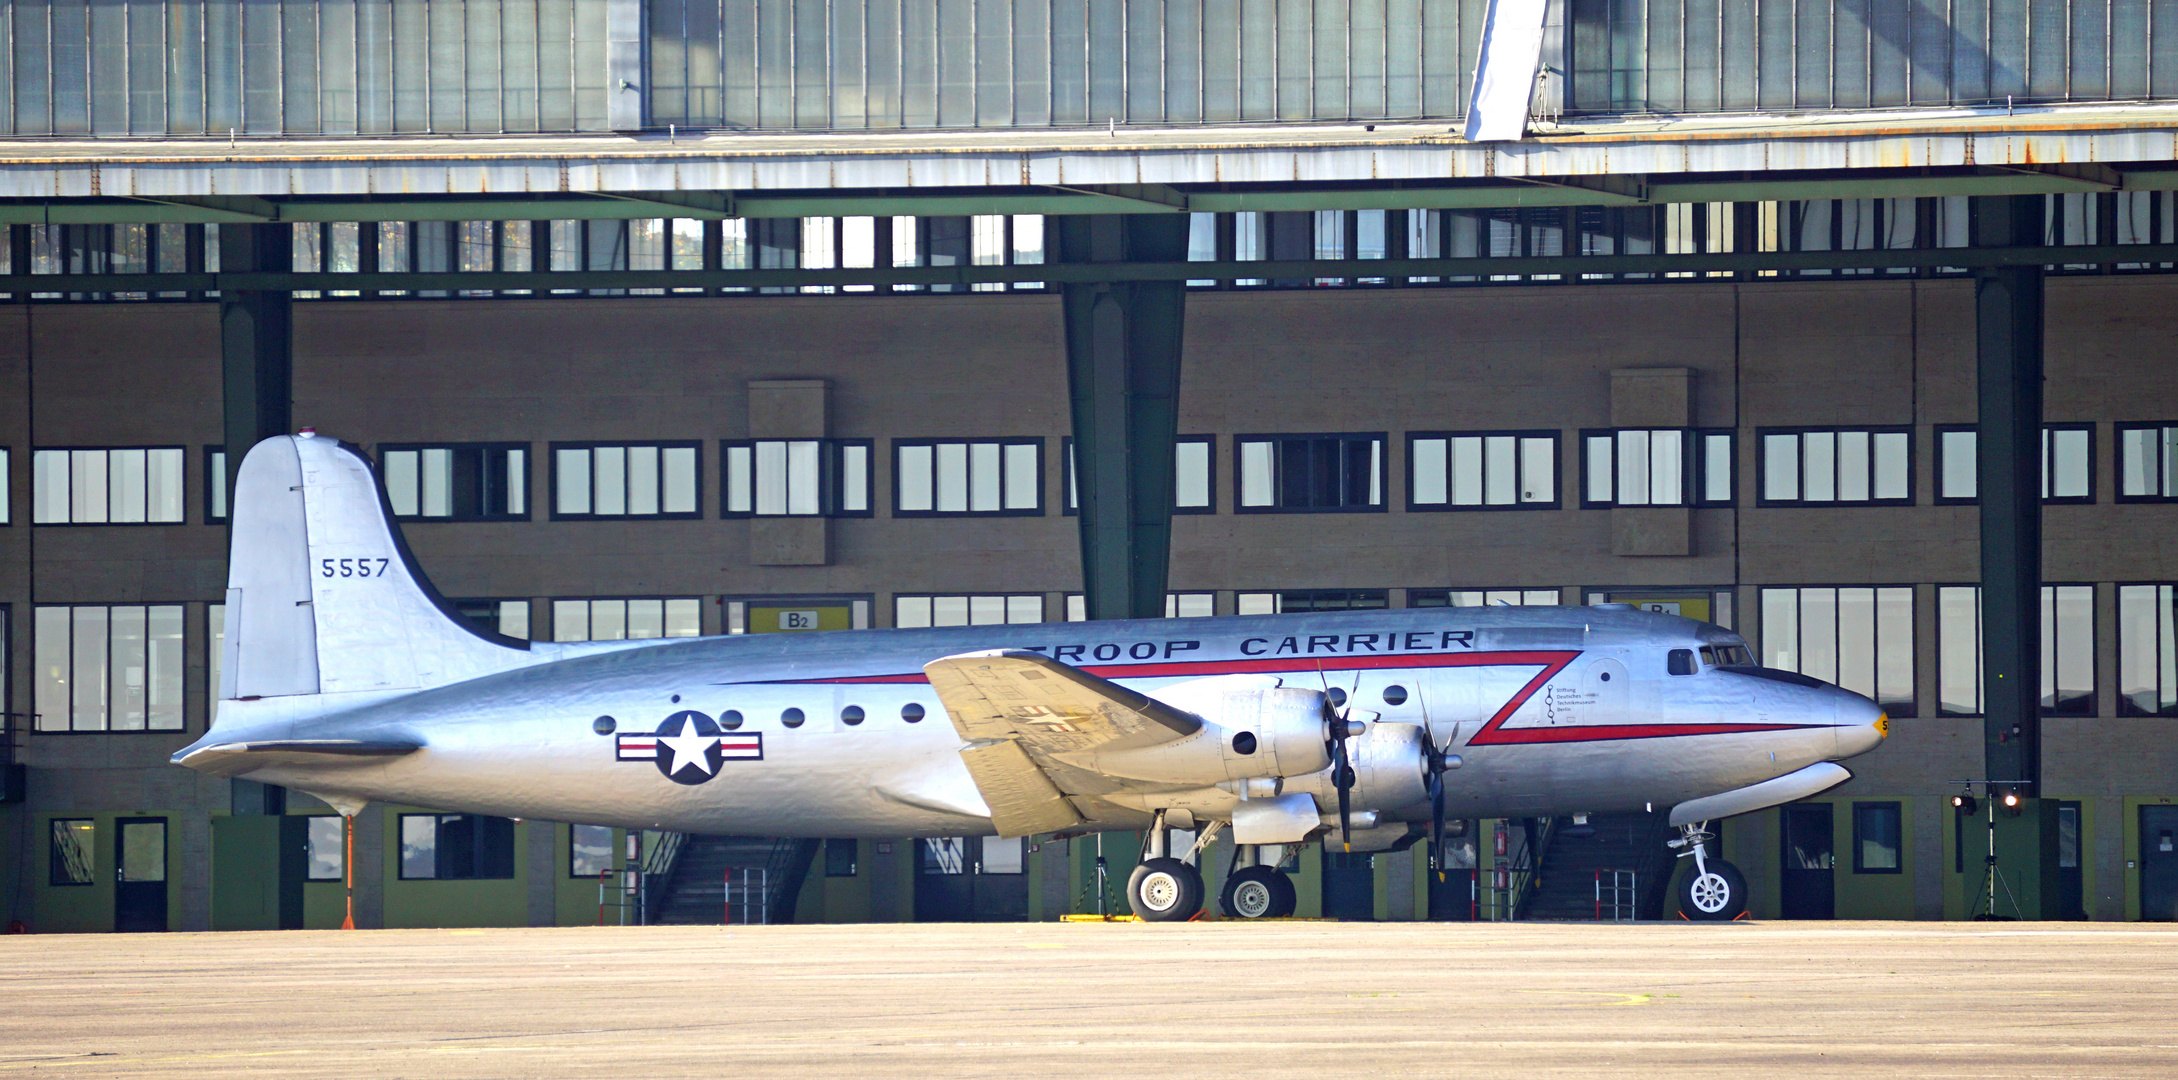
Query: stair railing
[
  {"x": 1515, "y": 880},
  {"x": 1617, "y": 892},
  {"x": 661, "y": 850}
]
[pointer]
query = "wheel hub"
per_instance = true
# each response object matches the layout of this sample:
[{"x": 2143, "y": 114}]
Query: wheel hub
[
  {"x": 1252, "y": 900},
  {"x": 1160, "y": 892},
  {"x": 1711, "y": 893}
]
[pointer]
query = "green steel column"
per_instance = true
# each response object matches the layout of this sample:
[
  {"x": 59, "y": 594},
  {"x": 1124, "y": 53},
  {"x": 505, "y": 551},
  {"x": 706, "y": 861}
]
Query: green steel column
[
  {"x": 1123, "y": 375},
  {"x": 2008, "y": 351},
  {"x": 255, "y": 342}
]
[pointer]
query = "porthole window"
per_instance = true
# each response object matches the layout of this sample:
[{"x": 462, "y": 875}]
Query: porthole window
[
  {"x": 791, "y": 718},
  {"x": 730, "y": 719},
  {"x": 1395, "y": 695},
  {"x": 603, "y": 725},
  {"x": 1244, "y": 743},
  {"x": 851, "y": 715},
  {"x": 1337, "y": 694},
  {"x": 1605, "y": 676},
  {"x": 911, "y": 712}
]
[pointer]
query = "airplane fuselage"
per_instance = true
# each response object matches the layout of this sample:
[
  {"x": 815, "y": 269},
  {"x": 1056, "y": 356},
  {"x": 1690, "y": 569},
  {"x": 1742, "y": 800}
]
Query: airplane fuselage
[{"x": 1544, "y": 710}]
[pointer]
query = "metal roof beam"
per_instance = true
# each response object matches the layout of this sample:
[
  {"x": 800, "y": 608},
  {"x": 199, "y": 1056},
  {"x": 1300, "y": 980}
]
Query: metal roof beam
[
  {"x": 1296, "y": 269},
  {"x": 1109, "y": 199}
]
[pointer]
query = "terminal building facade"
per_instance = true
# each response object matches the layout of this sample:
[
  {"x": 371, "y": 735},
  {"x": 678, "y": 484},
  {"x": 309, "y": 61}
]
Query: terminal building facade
[{"x": 677, "y": 318}]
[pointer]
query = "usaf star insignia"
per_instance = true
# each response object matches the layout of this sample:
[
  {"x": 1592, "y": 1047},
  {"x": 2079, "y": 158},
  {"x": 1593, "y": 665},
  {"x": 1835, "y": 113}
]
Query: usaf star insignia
[{"x": 689, "y": 747}]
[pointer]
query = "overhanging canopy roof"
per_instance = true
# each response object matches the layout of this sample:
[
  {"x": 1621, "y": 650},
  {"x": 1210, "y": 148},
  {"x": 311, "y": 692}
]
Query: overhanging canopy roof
[{"x": 1266, "y": 167}]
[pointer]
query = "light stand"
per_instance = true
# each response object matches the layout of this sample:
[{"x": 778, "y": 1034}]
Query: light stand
[{"x": 1992, "y": 875}]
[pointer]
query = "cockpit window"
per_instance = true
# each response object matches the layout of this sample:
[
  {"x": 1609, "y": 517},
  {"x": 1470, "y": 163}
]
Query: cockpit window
[
  {"x": 1682, "y": 662},
  {"x": 1727, "y": 656}
]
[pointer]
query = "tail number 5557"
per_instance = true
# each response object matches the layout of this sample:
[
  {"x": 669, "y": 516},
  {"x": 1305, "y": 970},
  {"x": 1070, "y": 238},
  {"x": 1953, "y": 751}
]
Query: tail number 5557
[{"x": 365, "y": 567}]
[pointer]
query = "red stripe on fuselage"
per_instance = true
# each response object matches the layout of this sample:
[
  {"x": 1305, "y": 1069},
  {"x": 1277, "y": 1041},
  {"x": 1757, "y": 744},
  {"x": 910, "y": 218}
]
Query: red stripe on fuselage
[
  {"x": 1492, "y": 733},
  {"x": 1269, "y": 665}
]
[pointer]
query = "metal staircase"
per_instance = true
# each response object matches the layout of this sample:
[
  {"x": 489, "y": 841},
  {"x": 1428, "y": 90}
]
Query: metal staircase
[
  {"x": 1573, "y": 865},
  {"x": 692, "y": 892}
]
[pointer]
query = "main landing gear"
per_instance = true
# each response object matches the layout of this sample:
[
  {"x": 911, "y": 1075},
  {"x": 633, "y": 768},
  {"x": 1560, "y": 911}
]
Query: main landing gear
[
  {"x": 1716, "y": 891},
  {"x": 1166, "y": 888},
  {"x": 1257, "y": 892}
]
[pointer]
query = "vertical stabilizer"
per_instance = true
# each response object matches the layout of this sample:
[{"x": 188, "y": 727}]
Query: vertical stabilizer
[
  {"x": 323, "y": 594},
  {"x": 272, "y": 638}
]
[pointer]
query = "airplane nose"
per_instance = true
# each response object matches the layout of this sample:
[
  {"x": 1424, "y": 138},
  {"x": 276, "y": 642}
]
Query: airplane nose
[{"x": 1862, "y": 725}]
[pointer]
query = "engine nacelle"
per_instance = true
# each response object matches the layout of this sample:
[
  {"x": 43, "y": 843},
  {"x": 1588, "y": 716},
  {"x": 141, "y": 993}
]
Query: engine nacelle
[
  {"x": 1252, "y": 727},
  {"x": 1390, "y": 770}
]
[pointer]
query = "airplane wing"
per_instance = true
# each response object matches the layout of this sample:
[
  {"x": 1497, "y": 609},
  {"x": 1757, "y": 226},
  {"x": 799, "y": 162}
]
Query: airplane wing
[{"x": 1020, "y": 709}]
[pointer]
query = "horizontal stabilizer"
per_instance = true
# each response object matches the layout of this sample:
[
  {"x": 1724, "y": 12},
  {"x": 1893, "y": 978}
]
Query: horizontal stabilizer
[{"x": 237, "y": 758}]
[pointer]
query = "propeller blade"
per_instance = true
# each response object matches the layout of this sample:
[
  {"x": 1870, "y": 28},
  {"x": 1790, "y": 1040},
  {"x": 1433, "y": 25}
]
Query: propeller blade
[
  {"x": 1343, "y": 779},
  {"x": 1436, "y": 818}
]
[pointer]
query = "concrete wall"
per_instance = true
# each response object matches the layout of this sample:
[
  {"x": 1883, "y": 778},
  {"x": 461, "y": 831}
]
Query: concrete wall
[{"x": 1804, "y": 352}]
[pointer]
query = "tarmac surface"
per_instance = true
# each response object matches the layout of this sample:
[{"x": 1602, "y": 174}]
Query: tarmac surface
[{"x": 1214, "y": 999}]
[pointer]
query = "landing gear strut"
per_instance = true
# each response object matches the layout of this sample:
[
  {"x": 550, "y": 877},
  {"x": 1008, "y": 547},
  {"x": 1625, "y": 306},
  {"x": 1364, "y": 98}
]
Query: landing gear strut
[
  {"x": 1716, "y": 891},
  {"x": 1165, "y": 889}
]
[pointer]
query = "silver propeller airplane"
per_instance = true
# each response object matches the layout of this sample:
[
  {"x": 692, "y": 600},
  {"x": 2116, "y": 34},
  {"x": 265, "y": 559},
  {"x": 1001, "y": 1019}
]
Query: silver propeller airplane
[{"x": 345, "y": 675}]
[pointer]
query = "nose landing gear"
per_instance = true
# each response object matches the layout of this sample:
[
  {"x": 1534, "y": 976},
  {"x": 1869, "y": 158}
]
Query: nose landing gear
[{"x": 1716, "y": 891}]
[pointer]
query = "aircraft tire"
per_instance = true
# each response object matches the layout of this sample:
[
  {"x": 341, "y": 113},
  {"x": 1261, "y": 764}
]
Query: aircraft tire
[
  {"x": 1717, "y": 896},
  {"x": 1164, "y": 890},
  {"x": 1253, "y": 893},
  {"x": 1288, "y": 899}
]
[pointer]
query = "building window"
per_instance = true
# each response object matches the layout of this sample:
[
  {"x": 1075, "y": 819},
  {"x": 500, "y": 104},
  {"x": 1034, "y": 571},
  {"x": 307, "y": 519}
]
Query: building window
[
  {"x": 1656, "y": 467},
  {"x": 986, "y": 610},
  {"x": 128, "y": 486},
  {"x": 103, "y": 668},
  {"x": 1482, "y": 470},
  {"x": 1178, "y": 605},
  {"x": 2147, "y": 462},
  {"x": 1194, "y": 484},
  {"x": 456, "y": 847},
  {"x": 1852, "y": 467},
  {"x": 2147, "y": 652},
  {"x": 795, "y": 478},
  {"x": 589, "y": 851},
  {"x": 6, "y": 503},
  {"x": 215, "y": 484},
  {"x": 2068, "y": 454},
  {"x": 625, "y": 480},
  {"x": 74, "y": 845},
  {"x": 626, "y": 619},
  {"x": 993, "y": 477},
  {"x": 1004, "y": 855},
  {"x": 457, "y": 481},
  {"x": 325, "y": 849},
  {"x": 508, "y": 617},
  {"x": 1878, "y": 832},
  {"x": 839, "y": 857},
  {"x": 2068, "y": 650},
  {"x": 1298, "y": 601},
  {"x": 1858, "y": 638},
  {"x": 1309, "y": 473},
  {"x": 1420, "y": 598}
]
